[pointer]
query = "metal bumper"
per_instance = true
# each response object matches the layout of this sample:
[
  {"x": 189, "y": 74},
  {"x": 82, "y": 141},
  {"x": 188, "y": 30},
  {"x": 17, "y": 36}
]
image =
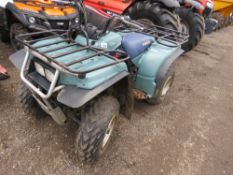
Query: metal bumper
[{"x": 52, "y": 87}]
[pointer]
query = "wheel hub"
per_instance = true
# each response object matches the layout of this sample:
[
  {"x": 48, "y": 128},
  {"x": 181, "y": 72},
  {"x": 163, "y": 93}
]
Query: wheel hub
[
  {"x": 108, "y": 133},
  {"x": 167, "y": 85}
]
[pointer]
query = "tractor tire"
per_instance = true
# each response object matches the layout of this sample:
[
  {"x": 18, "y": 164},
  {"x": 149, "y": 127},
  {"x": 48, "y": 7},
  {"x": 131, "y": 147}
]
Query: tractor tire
[
  {"x": 28, "y": 103},
  {"x": 162, "y": 88},
  {"x": 15, "y": 30},
  {"x": 96, "y": 128},
  {"x": 192, "y": 23},
  {"x": 5, "y": 37},
  {"x": 155, "y": 13}
]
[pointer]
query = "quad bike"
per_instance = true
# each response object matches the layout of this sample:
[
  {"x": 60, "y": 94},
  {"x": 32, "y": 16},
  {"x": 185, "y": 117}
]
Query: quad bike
[
  {"x": 21, "y": 16},
  {"x": 192, "y": 14},
  {"x": 67, "y": 74},
  {"x": 3, "y": 73}
]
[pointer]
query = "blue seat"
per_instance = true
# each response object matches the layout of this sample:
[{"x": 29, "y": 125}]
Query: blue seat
[{"x": 136, "y": 43}]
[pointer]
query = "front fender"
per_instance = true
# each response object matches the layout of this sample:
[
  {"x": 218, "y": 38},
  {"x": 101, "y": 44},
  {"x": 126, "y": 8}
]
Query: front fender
[
  {"x": 153, "y": 65},
  {"x": 75, "y": 97},
  {"x": 10, "y": 8}
]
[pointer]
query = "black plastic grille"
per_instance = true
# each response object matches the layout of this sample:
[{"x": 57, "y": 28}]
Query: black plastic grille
[{"x": 59, "y": 24}]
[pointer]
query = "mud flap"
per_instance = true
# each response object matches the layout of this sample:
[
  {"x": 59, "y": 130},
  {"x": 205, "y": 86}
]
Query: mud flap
[
  {"x": 125, "y": 95},
  {"x": 17, "y": 58}
]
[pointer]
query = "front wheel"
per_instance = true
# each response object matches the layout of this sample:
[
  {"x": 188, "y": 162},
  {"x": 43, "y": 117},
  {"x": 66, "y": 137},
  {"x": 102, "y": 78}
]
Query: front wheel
[
  {"x": 193, "y": 24},
  {"x": 96, "y": 128},
  {"x": 28, "y": 103},
  {"x": 162, "y": 88}
]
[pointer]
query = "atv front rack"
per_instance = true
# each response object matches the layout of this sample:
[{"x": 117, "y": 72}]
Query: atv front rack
[
  {"x": 116, "y": 56},
  {"x": 162, "y": 35}
]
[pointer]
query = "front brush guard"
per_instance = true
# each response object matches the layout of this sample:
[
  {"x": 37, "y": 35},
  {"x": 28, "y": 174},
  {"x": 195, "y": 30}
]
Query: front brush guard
[{"x": 52, "y": 87}]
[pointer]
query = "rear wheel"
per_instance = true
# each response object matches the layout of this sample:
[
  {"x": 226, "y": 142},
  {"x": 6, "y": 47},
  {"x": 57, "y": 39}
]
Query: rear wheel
[
  {"x": 155, "y": 13},
  {"x": 162, "y": 88},
  {"x": 28, "y": 103},
  {"x": 96, "y": 128},
  {"x": 15, "y": 30},
  {"x": 193, "y": 24}
]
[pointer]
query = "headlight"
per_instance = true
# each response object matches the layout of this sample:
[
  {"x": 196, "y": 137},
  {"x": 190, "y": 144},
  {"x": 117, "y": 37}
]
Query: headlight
[
  {"x": 49, "y": 75},
  {"x": 39, "y": 69},
  {"x": 44, "y": 72},
  {"x": 32, "y": 20},
  {"x": 76, "y": 20}
]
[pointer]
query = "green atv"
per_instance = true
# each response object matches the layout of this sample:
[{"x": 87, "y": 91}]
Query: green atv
[{"x": 69, "y": 75}]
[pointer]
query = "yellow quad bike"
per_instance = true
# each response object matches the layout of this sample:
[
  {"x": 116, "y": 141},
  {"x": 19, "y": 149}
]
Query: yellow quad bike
[{"x": 21, "y": 16}]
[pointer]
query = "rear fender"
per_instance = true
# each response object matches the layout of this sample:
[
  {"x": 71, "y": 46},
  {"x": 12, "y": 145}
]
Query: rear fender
[{"x": 153, "y": 66}]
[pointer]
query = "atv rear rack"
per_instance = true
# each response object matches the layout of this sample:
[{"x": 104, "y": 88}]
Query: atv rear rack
[
  {"x": 63, "y": 37},
  {"x": 162, "y": 35}
]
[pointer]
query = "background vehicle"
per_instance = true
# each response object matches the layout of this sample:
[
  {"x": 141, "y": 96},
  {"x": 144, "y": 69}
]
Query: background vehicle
[
  {"x": 192, "y": 14},
  {"x": 159, "y": 12},
  {"x": 69, "y": 75},
  {"x": 18, "y": 17}
]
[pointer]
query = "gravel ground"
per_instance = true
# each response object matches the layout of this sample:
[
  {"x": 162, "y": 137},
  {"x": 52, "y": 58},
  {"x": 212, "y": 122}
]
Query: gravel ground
[{"x": 191, "y": 133}]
